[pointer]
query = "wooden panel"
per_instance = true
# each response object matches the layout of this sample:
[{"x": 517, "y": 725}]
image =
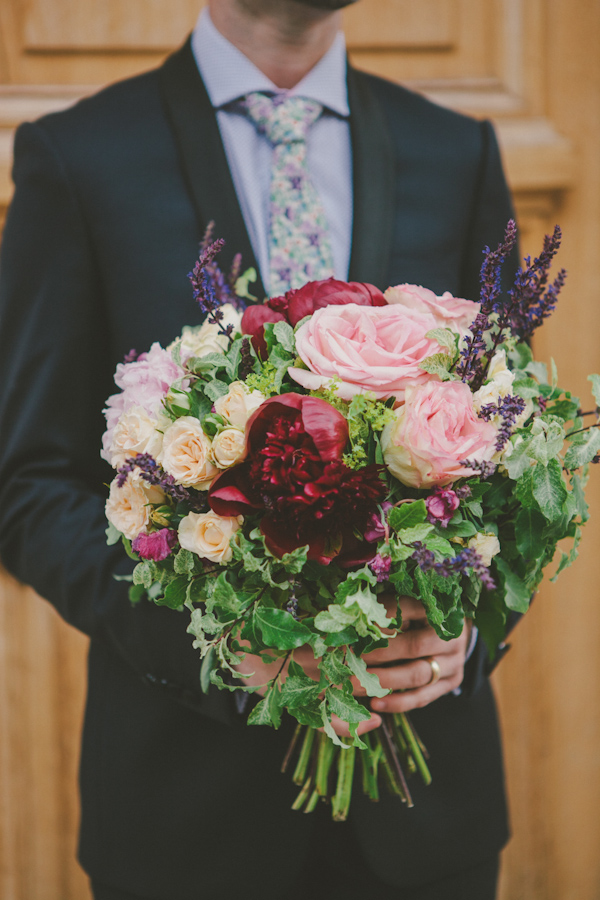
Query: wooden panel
[
  {"x": 99, "y": 25},
  {"x": 402, "y": 24}
]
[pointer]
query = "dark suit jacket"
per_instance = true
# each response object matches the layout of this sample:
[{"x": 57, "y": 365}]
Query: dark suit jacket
[{"x": 180, "y": 798}]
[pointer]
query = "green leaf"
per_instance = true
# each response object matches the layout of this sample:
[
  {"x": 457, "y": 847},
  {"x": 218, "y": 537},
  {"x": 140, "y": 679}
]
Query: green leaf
[
  {"x": 224, "y": 598},
  {"x": 584, "y": 447},
  {"x": 549, "y": 489},
  {"x": 439, "y": 364},
  {"x": 490, "y": 620},
  {"x": 205, "y": 670},
  {"x": 521, "y": 356},
  {"x": 368, "y": 680},
  {"x": 295, "y": 561},
  {"x": 595, "y": 380},
  {"x": 333, "y": 666},
  {"x": 440, "y": 546},
  {"x": 516, "y": 595},
  {"x": 328, "y": 727},
  {"x": 526, "y": 388},
  {"x": 564, "y": 563},
  {"x": 299, "y": 690},
  {"x": 345, "y": 706},
  {"x": 407, "y": 515},
  {"x": 539, "y": 370},
  {"x": 136, "y": 592},
  {"x": 578, "y": 494},
  {"x": 445, "y": 338},
  {"x": 335, "y": 618},
  {"x": 418, "y": 533},
  {"x": 547, "y": 441},
  {"x": 215, "y": 389},
  {"x": 280, "y": 629},
  {"x": 184, "y": 562},
  {"x": 144, "y": 574},
  {"x": 529, "y": 527},
  {"x": 519, "y": 459},
  {"x": 175, "y": 593},
  {"x": 524, "y": 489},
  {"x": 285, "y": 335},
  {"x": 113, "y": 535},
  {"x": 369, "y": 605},
  {"x": 261, "y": 714}
]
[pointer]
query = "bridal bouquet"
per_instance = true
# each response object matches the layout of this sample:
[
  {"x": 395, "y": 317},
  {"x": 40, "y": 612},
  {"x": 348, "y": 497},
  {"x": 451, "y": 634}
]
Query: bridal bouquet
[{"x": 277, "y": 471}]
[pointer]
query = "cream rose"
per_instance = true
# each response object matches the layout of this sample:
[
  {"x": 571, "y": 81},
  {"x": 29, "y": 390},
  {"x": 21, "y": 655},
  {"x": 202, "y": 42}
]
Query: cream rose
[
  {"x": 435, "y": 429},
  {"x": 228, "y": 447},
  {"x": 487, "y": 545},
  {"x": 127, "y": 507},
  {"x": 449, "y": 312},
  {"x": 186, "y": 452},
  {"x": 135, "y": 432},
  {"x": 208, "y": 337},
  {"x": 498, "y": 384},
  {"x": 238, "y": 404},
  {"x": 209, "y": 535}
]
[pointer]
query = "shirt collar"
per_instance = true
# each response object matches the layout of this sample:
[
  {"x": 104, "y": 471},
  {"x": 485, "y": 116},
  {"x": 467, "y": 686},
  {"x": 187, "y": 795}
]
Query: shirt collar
[{"x": 228, "y": 74}]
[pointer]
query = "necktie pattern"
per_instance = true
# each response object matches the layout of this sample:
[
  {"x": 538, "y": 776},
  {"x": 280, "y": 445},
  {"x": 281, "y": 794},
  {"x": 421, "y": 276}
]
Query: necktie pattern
[{"x": 299, "y": 244}]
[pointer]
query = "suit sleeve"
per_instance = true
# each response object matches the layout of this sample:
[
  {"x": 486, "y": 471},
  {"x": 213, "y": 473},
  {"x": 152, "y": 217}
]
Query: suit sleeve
[{"x": 54, "y": 377}]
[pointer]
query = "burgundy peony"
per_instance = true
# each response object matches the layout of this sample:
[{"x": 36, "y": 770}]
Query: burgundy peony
[
  {"x": 441, "y": 506},
  {"x": 296, "y": 304},
  {"x": 294, "y": 475},
  {"x": 157, "y": 545}
]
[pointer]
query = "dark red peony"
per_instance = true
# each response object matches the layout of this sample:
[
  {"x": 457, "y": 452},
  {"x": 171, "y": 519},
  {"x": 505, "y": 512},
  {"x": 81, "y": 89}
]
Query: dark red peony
[
  {"x": 304, "y": 301},
  {"x": 295, "y": 476}
]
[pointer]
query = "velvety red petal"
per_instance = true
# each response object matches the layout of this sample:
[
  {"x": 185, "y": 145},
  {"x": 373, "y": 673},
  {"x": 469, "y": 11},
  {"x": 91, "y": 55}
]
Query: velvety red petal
[
  {"x": 227, "y": 495},
  {"x": 355, "y": 552},
  {"x": 326, "y": 426},
  {"x": 279, "y": 542}
]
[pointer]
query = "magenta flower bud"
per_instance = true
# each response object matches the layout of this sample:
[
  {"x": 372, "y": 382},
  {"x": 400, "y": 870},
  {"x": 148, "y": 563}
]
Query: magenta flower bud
[
  {"x": 157, "y": 545},
  {"x": 380, "y": 566},
  {"x": 375, "y": 530},
  {"x": 441, "y": 506}
]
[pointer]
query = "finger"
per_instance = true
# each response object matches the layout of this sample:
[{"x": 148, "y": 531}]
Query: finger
[
  {"x": 405, "y": 702},
  {"x": 341, "y": 728},
  {"x": 410, "y": 645},
  {"x": 416, "y": 674}
]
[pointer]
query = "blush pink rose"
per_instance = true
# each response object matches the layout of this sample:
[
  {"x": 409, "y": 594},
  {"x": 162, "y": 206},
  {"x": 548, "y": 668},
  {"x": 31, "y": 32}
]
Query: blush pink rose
[
  {"x": 449, "y": 312},
  {"x": 366, "y": 348},
  {"x": 144, "y": 383},
  {"x": 435, "y": 429}
]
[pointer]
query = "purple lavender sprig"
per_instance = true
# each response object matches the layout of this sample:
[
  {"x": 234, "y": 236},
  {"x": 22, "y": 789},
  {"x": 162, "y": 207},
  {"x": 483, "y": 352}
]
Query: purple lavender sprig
[
  {"x": 155, "y": 475},
  {"x": 509, "y": 408},
  {"x": 480, "y": 467},
  {"x": 468, "y": 558},
  {"x": 532, "y": 299},
  {"x": 474, "y": 359}
]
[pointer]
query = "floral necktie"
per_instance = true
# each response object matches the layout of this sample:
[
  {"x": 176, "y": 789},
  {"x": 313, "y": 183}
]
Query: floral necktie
[{"x": 299, "y": 244}]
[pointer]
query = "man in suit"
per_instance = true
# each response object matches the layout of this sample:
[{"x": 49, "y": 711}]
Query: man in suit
[{"x": 180, "y": 800}]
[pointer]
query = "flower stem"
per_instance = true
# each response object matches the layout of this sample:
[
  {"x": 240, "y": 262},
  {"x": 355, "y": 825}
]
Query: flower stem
[
  {"x": 324, "y": 760},
  {"x": 415, "y": 749},
  {"x": 291, "y": 748},
  {"x": 343, "y": 794},
  {"x": 391, "y": 754},
  {"x": 304, "y": 759}
]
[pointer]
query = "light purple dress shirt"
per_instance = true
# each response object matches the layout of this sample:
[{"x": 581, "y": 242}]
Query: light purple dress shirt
[{"x": 228, "y": 75}]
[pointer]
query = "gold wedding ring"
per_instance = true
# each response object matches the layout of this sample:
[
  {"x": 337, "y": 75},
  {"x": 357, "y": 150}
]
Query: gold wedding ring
[{"x": 435, "y": 669}]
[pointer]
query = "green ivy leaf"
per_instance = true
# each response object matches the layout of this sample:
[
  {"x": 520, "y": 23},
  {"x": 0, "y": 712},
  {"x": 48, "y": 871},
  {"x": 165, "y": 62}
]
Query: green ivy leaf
[
  {"x": 333, "y": 666},
  {"x": 113, "y": 535},
  {"x": 595, "y": 380},
  {"x": 280, "y": 629},
  {"x": 184, "y": 562},
  {"x": 175, "y": 593},
  {"x": 215, "y": 389},
  {"x": 368, "y": 680},
  {"x": 285, "y": 335},
  {"x": 299, "y": 690},
  {"x": 407, "y": 515},
  {"x": 584, "y": 446},
  {"x": 418, "y": 533},
  {"x": 261, "y": 714},
  {"x": 516, "y": 595},
  {"x": 529, "y": 527},
  {"x": 445, "y": 338},
  {"x": 328, "y": 727},
  {"x": 549, "y": 489},
  {"x": 345, "y": 706},
  {"x": 335, "y": 618}
]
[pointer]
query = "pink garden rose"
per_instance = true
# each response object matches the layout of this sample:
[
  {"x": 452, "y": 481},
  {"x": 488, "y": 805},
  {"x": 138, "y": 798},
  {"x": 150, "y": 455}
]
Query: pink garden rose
[
  {"x": 366, "y": 348},
  {"x": 144, "y": 383},
  {"x": 441, "y": 506},
  {"x": 435, "y": 429},
  {"x": 157, "y": 545},
  {"x": 449, "y": 312}
]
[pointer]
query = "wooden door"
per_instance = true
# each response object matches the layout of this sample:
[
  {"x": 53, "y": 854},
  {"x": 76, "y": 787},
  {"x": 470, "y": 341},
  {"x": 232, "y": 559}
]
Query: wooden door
[{"x": 533, "y": 67}]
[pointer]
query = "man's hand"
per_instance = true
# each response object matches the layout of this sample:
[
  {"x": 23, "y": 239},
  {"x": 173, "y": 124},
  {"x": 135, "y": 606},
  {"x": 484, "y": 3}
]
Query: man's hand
[{"x": 404, "y": 667}]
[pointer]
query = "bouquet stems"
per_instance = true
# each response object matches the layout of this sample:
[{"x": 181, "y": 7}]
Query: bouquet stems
[{"x": 326, "y": 772}]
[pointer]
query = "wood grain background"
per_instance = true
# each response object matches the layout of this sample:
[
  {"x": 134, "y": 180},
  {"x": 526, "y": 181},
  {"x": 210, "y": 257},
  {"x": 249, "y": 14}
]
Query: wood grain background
[{"x": 532, "y": 66}]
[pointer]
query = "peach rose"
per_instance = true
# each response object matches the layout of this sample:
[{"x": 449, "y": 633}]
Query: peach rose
[
  {"x": 366, "y": 348},
  {"x": 186, "y": 452},
  {"x": 449, "y": 312},
  {"x": 435, "y": 429},
  {"x": 238, "y": 404},
  {"x": 127, "y": 507},
  {"x": 209, "y": 535},
  {"x": 228, "y": 447},
  {"x": 135, "y": 432}
]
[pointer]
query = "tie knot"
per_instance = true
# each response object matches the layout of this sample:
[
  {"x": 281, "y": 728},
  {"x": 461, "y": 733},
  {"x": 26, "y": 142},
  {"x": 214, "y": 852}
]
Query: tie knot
[{"x": 283, "y": 121}]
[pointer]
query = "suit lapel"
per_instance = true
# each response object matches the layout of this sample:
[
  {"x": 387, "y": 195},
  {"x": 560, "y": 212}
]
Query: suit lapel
[
  {"x": 373, "y": 184},
  {"x": 203, "y": 157}
]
